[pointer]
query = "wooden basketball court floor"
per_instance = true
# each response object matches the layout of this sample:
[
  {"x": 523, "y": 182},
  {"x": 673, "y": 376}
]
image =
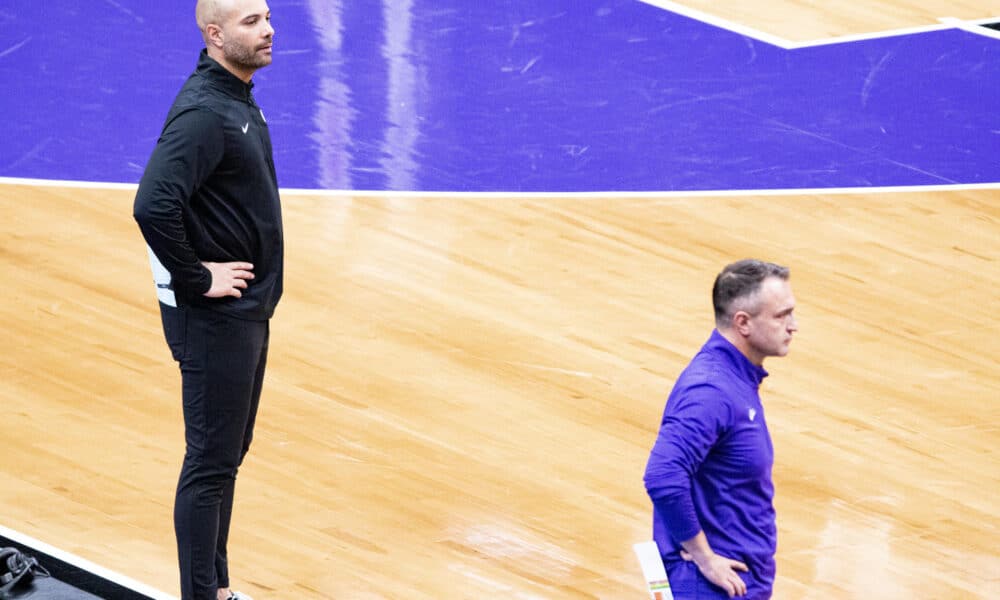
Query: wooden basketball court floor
[{"x": 463, "y": 390}]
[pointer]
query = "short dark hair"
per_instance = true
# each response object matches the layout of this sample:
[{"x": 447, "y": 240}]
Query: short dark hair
[{"x": 741, "y": 279}]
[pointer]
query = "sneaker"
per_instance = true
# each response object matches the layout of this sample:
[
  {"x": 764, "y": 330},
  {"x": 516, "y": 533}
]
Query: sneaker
[{"x": 238, "y": 596}]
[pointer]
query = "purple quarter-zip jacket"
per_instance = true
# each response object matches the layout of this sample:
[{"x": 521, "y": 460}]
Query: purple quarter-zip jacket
[{"x": 710, "y": 470}]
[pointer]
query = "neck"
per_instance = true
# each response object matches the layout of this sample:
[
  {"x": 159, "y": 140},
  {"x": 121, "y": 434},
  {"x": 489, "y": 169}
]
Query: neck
[
  {"x": 243, "y": 75},
  {"x": 741, "y": 344}
]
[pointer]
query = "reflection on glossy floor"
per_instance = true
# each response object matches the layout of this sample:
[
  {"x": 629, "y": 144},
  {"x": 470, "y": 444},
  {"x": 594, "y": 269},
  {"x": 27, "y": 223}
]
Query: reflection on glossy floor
[
  {"x": 462, "y": 392},
  {"x": 521, "y": 95}
]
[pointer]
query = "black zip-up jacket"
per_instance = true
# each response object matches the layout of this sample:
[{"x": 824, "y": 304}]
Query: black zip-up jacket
[{"x": 210, "y": 193}]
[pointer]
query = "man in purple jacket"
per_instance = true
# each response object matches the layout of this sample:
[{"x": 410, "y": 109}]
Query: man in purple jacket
[{"x": 709, "y": 472}]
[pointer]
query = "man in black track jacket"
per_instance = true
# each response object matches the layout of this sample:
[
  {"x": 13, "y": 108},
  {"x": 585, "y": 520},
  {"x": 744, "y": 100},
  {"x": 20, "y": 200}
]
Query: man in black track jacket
[{"x": 209, "y": 210}]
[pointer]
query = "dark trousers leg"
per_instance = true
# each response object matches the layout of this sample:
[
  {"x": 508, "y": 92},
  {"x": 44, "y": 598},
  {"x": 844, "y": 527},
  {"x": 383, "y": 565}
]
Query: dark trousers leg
[
  {"x": 226, "y": 506},
  {"x": 222, "y": 362}
]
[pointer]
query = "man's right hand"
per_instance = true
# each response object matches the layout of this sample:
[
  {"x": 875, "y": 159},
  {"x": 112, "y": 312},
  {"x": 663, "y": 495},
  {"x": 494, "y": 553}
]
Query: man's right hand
[{"x": 228, "y": 278}]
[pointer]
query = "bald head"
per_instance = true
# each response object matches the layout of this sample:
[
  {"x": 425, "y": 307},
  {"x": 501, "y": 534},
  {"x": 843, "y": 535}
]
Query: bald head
[
  {"x": 212, "y": 12},
  {"x": 237, "y": 34}
]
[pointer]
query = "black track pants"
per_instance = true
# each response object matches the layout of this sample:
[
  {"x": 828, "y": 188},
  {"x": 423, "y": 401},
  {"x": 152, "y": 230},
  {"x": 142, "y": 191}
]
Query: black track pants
[{"x": 222, "y": 361}]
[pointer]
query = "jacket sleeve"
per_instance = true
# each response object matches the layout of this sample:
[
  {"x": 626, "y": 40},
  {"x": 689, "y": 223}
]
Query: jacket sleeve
[
  {"x": 692, "y": 423},
  {"x": 189, "y": 149}
]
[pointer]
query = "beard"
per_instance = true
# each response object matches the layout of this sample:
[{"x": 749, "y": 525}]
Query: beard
[{"x": 245, "y": 57}]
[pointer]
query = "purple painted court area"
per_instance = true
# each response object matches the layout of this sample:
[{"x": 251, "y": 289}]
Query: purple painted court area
[{"x": 515, "y": 95}]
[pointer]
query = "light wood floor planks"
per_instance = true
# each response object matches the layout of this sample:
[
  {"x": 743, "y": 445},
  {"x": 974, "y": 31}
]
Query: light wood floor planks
[
  {"x": 799, "y": 21},
  {"x": 462, "y": 392}
]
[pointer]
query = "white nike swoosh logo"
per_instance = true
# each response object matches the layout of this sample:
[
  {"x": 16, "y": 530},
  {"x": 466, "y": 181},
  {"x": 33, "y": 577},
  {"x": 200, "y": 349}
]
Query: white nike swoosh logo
[{"x": 245, "y": 127}]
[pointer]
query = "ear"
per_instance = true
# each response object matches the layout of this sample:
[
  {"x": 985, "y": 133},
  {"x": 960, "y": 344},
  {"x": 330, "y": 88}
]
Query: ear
[
  {"x": 214, "y": 35},
  {"x": 741, "y": 322}
]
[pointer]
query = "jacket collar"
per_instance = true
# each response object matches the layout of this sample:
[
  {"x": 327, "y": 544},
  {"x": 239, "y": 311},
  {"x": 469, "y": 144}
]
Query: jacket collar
[
  {"x": 748, "y": 371},
  {"x": 221, "y": 78}
]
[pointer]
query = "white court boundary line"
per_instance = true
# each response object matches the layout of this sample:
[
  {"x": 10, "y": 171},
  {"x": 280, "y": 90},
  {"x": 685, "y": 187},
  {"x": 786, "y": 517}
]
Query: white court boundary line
[
  {"x": 956, "y": 187},
  {"x": 745, "y": 30},
  {"x": 654, "y": 194},
  {"x": 85, "y": 564},
  {"x": 68, "y": 184},
  {"x": 973, "y": 26}
]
